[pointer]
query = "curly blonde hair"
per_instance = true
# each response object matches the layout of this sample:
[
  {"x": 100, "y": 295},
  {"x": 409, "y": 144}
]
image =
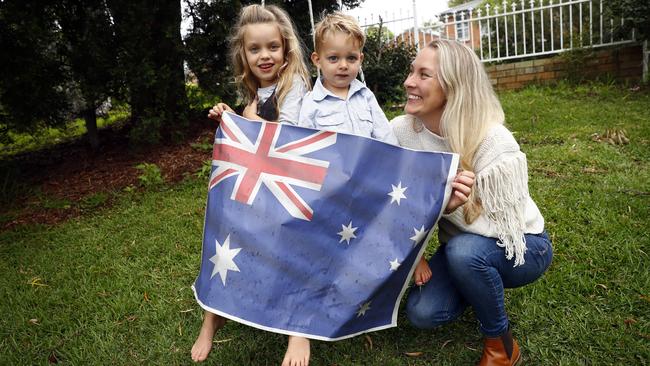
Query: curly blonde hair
[{"x": 292, "y": 45}]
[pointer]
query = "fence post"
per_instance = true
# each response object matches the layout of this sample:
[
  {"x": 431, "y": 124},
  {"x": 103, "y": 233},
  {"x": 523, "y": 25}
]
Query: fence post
[
  {"x": 646, "y": 55},
  {"x": 416, "y": 30}
]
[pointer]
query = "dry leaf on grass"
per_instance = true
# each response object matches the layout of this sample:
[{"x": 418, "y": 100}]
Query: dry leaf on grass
[
  {"x": 413, "y": 354},
  {"x": 368, "y": 342}
]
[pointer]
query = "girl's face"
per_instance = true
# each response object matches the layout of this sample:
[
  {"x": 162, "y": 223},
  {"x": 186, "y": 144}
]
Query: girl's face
[
  {"x": 426, "y": 99},
  {"x": 264, "y": 52}
]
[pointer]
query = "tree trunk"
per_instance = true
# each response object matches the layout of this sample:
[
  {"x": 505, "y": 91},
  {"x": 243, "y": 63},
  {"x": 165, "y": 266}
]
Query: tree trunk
[
  {"x": 152, "y": 56},
  {"x": 91, "y": 126}
]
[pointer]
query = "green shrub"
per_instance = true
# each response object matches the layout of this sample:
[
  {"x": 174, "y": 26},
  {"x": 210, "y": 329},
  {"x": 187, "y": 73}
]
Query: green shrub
[{"x": 151, "y": 175}]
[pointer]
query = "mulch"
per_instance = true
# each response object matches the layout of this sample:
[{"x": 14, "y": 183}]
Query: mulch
[{"x": 71, "y": 172}]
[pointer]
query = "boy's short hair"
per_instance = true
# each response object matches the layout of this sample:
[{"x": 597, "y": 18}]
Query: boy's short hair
[{"x": 338, "y": 22}]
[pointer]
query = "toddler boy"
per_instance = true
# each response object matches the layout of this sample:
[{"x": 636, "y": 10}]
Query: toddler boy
[{"x": 339, "y": 102}]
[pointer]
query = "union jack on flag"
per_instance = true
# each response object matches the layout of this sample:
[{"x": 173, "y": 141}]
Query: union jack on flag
[
  {"x": 315, "y": 233},
  {"x": 263, "y": 161}
]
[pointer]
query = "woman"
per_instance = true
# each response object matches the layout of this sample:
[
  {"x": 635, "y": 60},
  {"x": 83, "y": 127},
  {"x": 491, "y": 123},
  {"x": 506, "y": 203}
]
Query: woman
[{"x": 497, "y": 238}]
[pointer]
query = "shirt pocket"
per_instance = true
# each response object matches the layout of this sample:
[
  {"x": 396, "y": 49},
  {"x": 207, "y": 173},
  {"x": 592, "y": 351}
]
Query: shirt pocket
[
  {"x": 329, "y": 119},
  {"x": 365, "y": 124}
]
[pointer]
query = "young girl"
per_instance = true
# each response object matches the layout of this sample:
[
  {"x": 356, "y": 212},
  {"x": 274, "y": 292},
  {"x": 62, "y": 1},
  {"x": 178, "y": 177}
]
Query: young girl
[
  {"x": 269, "y": 66},
  {"x": 271, "y": 74}
]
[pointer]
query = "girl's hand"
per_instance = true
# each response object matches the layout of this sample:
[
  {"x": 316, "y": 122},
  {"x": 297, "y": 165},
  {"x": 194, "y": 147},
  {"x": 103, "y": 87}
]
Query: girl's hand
[
  {"x": 422, "y": 272},
  {"x": 462, "y": 187},
  {"x": 216, "y": 111},
  {"x": 250, "y": 111}
]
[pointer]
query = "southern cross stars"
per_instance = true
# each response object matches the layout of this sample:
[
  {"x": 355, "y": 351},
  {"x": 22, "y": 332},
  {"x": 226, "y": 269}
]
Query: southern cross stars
[
  {"x": 398, "y": 193},
  {"x": 394, "y": 265},
  {"x": 419, "y": 235},
  {"x": 223, "y": 260},
  {"x": 363, "y": 308},
  {"x": 347, "y": 233}
]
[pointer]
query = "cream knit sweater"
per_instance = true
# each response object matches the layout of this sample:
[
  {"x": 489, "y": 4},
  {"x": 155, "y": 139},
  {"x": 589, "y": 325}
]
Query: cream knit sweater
[{"x": 501, "y": 184}]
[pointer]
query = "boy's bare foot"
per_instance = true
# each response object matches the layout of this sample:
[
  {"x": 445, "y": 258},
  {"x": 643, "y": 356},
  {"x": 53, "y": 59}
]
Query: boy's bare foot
[
  {"x": 297, "y": 352},
  {"x": 203, "y": 344},
  {"x": 422, "y": 273}
]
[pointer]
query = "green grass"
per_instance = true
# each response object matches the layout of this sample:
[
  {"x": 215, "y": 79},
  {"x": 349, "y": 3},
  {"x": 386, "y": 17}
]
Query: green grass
[{"x": 113, "y": 288}]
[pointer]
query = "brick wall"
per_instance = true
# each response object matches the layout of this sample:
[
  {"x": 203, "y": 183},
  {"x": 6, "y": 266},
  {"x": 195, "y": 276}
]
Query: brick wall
[{"x": 623, "y": 64}]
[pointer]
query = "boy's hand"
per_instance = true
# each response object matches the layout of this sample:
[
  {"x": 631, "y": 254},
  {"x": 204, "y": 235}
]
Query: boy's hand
[
  {"x": 422, "y": 273},
  {"x": 250, "y": 111},
  {"x": 216, "y": 111},
  {"x": 462, "y": 187}
]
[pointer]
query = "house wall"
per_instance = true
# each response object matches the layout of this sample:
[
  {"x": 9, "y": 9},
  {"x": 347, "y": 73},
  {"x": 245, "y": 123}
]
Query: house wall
[{"x": 623, "y": 64}]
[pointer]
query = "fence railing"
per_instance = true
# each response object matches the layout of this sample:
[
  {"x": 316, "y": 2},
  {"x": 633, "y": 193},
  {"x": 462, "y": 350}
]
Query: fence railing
[{"x": 522, "y": 29}]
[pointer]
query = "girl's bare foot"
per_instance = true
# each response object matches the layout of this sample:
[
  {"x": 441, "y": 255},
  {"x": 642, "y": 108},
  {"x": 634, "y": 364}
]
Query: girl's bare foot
[
  {"x": 422, "y": 273},
  {"x": 203, "y": 344},
  {"x": 297, "y": 352}
]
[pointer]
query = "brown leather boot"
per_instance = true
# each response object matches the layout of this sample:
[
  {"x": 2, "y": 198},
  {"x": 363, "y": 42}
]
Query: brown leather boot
[{"x": 500, "y": 351}]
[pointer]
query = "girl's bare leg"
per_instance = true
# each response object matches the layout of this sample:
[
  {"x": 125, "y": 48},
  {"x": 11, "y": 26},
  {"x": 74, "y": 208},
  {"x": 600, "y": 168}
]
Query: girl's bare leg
[{"x": 203, "y": 344}]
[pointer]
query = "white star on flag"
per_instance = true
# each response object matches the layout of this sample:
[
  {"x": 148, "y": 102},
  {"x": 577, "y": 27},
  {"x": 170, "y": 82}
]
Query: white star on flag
[
  {"x": 398, "y": 193},
  {"x": 347, "y": 233},
  {"x": 419, "y": 235},
  {"x": 394, "y": 265},
  {"x": 363, "y": 308},
  {"x": 223, "y": 260}
]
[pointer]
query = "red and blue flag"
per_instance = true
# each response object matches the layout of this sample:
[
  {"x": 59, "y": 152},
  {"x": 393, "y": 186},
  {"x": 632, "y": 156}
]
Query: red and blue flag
[{"x": 315, "y": 233}]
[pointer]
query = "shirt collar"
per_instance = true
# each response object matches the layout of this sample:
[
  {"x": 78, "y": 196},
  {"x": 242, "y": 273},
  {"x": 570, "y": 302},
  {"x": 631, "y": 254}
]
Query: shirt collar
[{"x": 320, "y": 92}]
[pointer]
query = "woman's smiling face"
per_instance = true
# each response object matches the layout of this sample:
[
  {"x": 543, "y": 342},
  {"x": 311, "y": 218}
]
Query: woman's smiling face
[{"x": 426, "y": 98}]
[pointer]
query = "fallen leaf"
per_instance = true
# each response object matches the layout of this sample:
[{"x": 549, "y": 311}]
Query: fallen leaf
[
  {"x": 52, "y": 358},
  {"x": 187, "y": 310},
  {"x": 446, "y": 343},
  {"x": 601, "y": 286},
  {"x": 146, "y": 297},
  {"x": 34, "y": 321},
  {"x": 36, "y": 281},
  {"x": 644, "y": 297},
  {"x": 222, "y": 340},
  {"x": 368, "y": 342},
  {"x": 413, "y": 354},
  {"x": 629, "y": 321},
  {"x": 131, "y": 318}
]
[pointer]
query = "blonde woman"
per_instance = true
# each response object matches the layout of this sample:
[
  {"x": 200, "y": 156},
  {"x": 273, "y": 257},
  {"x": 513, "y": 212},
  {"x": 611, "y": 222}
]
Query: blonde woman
[{"x": 496, "y": 240}]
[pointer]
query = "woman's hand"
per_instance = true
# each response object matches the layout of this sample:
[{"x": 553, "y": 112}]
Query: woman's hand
[
  {"x": 250, "y": 111},
  {"x": 462, "y": 187},
  {"x": 216, "y": 111}
]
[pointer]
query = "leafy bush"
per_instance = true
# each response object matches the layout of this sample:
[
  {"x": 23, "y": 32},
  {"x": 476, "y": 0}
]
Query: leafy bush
[
  {"x": 385, "y": 65},
  {"x": 151, "y": 175}
]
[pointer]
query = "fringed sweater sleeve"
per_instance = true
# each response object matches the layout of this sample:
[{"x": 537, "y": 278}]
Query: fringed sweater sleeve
[{"x": 502, "y": 186}]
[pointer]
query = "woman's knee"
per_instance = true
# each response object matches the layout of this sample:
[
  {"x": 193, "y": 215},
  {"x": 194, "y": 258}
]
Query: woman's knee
[{"x": 427, "y": 314}]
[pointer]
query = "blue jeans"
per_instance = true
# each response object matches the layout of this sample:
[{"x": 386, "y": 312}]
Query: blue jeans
[{"x": 472, "y": 270}]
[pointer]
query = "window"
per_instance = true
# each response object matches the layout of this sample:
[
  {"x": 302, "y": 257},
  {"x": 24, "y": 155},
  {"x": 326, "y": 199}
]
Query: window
[{"x": 462, "y": 29}]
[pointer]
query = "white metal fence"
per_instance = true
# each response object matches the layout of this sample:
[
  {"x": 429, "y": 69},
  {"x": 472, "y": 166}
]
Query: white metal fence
[
  {"x": 514, "y": 29},
  {"x": 532, "y": 28}
]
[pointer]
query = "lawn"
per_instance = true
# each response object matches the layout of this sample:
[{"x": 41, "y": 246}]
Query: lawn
[{"x": 114, "y": 287}]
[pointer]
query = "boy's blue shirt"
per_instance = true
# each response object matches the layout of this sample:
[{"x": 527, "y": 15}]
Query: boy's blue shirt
[{"x": 359, "y": 114}]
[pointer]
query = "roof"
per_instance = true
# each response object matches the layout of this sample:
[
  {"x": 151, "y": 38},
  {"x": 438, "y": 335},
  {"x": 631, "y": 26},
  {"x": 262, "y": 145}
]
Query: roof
[{"x": 463, "y": 7}]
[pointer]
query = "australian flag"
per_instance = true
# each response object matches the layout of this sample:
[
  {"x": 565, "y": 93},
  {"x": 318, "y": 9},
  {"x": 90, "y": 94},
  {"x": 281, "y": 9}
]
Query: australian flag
[{"x": 315, "y": 233}]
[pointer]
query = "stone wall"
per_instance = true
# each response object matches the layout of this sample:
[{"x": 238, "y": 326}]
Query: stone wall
[{"x": 623, "y": 64}]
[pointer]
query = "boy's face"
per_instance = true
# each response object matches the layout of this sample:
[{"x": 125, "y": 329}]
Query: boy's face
[{"x": 339, "y": 61}]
